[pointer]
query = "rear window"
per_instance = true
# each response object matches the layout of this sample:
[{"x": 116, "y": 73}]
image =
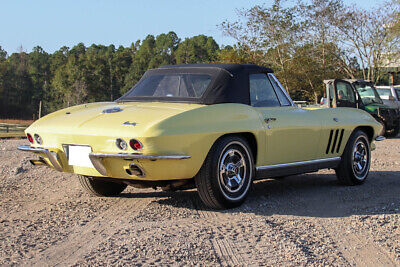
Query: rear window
[{"x": 171, "y": 86}]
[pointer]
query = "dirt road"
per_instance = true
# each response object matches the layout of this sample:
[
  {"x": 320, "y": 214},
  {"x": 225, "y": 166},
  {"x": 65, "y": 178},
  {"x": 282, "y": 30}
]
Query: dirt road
[{"x": 47, "y": 219}]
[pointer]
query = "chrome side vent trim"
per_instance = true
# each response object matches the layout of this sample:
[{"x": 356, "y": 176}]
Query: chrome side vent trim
[
  {"x": 334, "y": 141},
  {"x": 335, "y": 138},
  {"x": 329, "y": 142},
  {"x": 340, "y": 140}
]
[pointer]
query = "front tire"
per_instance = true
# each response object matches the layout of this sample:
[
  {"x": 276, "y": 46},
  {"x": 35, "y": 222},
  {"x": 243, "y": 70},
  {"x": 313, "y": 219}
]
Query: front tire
[
  {"x": 101, "y": 188},
  {"x": 226, "y": 175},
  {"x": 395, "y": 130},
  {"x": 356, "y": 160}
]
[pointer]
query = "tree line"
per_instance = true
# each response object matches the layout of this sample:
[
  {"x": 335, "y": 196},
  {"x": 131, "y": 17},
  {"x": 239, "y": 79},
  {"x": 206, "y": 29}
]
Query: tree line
[
  {"x": 83, "y": 74},
  {"x": 315, "y": 40},
  {"x": 304, "y": 44}
]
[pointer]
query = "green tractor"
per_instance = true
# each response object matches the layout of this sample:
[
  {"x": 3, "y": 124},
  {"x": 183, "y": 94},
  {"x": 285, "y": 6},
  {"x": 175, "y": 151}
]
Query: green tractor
[{"x": 363, "y": 95}]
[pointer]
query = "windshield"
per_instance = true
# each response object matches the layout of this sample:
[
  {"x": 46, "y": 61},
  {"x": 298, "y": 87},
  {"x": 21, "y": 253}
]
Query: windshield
[
  {"x": 368, "y": 94},
  {"x": 164, "y": 86},
  {"x": 397, "y": 90},
  {"x": 384, "y": 92}
]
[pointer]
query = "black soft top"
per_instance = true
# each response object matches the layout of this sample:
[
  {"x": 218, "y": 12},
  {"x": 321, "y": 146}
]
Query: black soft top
[{"x": 229, "y": 84}]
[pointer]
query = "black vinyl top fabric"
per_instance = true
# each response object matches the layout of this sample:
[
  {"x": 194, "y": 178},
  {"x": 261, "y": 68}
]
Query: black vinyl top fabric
[{"x": 229, "y": 84}]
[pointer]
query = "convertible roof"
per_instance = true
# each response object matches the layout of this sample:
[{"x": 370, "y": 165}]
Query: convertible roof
[
  {"x": 230, "y": 81},
  {"x": 232, "y": 68}
]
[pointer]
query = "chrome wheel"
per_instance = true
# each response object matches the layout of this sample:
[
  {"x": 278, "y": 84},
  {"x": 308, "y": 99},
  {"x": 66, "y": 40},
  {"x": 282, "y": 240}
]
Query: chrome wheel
[
  {"x": 360, "y": 159},
  {"x": 226, "y": 176},
  {"x": 232, "y": 170}
]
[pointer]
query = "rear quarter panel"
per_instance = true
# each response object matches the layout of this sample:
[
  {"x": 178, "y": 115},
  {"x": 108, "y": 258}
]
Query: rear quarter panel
[{"x": 194, "y": 132}]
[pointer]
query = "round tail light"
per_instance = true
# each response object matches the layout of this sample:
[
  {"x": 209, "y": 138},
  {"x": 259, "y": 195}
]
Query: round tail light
[
  {"x": 38, "y": 139},
  {"x": 121, "y": 144},
  {"x": 135, "y": 144},
  {"x": 30, "y": 138}
]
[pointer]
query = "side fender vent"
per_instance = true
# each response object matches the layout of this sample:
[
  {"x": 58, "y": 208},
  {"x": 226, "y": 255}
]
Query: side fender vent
[
  {"x": 329, "y": 142},
  {"x": 335, "y": 138},
  {"x": 340, "y": 140}
]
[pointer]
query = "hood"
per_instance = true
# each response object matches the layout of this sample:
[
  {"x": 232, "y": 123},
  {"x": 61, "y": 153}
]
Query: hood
[
  {"x": 391, "y": 103},
  {"x": 375, "y": 106},
  {"x": 109, "y": 118}
]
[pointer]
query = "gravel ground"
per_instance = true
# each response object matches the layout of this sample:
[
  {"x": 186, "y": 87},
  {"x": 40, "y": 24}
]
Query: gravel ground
[{"x": 47, "y": 219}]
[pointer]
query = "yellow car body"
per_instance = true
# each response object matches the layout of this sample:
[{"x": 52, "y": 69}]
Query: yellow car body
[
  {"x": 221, "y": 124},
  {"x": 191, "y": 129}
]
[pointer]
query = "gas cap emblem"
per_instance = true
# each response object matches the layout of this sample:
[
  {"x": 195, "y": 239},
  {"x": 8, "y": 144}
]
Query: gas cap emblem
[{"x": 112, "y": 110}]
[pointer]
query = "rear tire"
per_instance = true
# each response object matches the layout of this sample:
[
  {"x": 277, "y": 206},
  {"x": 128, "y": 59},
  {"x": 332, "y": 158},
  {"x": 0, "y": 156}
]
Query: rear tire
[
  {"x": 99, "y": 187},
  {"x": 356, "y": 160},
  {"x": 227, "y": 173}
]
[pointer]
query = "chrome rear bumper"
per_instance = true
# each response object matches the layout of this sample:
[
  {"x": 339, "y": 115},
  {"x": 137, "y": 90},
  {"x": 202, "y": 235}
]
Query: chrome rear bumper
[
  {"x": 97, "y": 158},
  {"x": 52, "y": 156}
]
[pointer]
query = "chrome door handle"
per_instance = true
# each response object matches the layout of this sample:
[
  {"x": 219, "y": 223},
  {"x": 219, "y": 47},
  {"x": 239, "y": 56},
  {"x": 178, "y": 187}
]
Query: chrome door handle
[{"x": 268, "y": 120}]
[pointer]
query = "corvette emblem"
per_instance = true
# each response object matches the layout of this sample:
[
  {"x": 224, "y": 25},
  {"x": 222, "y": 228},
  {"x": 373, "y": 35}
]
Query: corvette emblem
[{"x": 128, "y": 123}]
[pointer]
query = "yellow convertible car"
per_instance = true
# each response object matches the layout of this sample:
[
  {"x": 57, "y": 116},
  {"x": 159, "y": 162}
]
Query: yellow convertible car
[{"x": 216, "y": 127}]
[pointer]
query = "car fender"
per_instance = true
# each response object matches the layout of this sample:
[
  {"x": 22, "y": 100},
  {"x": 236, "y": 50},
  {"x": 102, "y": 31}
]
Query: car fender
[{"x": 195, "y": 131}]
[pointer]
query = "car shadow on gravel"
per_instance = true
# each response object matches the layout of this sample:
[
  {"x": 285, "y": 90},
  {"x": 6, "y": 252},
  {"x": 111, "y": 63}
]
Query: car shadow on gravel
[{"x": 310, "y": 195}]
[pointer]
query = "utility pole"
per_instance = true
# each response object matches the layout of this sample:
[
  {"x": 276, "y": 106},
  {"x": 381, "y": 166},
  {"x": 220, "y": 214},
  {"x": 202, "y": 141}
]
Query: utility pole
[{"x": 40, "y": 109}]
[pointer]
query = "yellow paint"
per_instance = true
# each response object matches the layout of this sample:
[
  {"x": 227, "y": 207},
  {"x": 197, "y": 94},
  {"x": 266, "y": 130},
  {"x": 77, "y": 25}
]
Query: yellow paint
[{"x": 191, "y": 129}]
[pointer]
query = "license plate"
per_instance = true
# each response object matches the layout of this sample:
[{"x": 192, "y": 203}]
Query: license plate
[{"x": 79, "y": 156}]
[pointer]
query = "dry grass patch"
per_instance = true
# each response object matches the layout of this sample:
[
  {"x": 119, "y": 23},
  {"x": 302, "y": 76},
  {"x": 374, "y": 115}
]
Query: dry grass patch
[{"x": 14, "y": 121}]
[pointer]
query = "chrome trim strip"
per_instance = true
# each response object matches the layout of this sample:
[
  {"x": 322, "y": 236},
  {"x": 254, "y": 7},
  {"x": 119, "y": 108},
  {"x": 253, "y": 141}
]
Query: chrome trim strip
[
  {"x": 380, "y": 138},
  {"x": 52, "y": 156},
  {"x": 137, "y": 156},
  {"x": 97, "y": 159},
  {"x": 296, "y": 164}
]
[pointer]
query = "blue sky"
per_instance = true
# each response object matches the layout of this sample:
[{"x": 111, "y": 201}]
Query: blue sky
[{"x": 52, "y": 24}]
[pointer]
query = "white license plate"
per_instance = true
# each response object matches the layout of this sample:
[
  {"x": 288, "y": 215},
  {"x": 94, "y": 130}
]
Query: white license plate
[{"x": 79, "y": 156}]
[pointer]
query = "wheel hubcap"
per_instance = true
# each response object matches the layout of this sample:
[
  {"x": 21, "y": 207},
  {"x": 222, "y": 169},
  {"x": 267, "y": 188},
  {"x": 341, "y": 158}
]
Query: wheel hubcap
[
  {"x": 232, "y": 171},
  {"x": 360, "y": 158}
]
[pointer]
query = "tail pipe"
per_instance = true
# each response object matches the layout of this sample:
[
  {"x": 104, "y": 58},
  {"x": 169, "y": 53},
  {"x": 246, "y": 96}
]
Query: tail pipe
[{"x": 38, "y": 162}]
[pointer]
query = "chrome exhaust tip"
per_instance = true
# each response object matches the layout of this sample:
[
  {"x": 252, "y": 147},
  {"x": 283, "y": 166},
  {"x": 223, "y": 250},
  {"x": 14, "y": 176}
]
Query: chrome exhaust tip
[
  {"x": 136, "y": 170},
  {"x": 38, "y": 162}
]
